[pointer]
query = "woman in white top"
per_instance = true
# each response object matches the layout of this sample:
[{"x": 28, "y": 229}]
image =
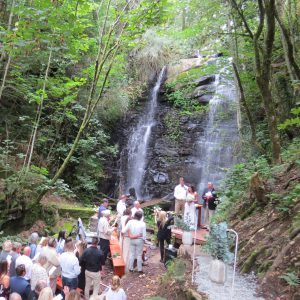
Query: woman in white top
[
  {"x": 124, "y": 238},
  {"x": 115, "y": 292},
  {"x": 189, "y": 207}
]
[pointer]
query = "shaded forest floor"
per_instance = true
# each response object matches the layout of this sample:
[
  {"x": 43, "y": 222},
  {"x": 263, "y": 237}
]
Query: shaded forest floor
[{"x": 270, "y": 239}]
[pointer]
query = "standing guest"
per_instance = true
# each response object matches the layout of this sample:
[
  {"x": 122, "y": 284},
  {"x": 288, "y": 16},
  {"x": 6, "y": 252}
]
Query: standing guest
[
  {"x": 18, "y": 284},
  {"x": 46, "y": 294},
  {"x": 164, "y": 232},
  {"x": 137, "y": 207},
  {"x": 190, "y": 208},
  {"x": 79, "y": 249},
  {"x": 121, "y": 206},
  {"x": 70, "y": 268},
  {"x": 104, "y": 232},
  {"x": 180, "y": 193},
  {"x": 40, "y": 285},
  {"x": 61, "y": 242},
  {"x": 115, "y": 292},
  {"x": 4, "y": 279},
  {"x": 136, "y": 229},
  {"x": 102, "y": 207},
  {"x": 209, "y": 197},
  {"x": 26, "y": 261},
  {"x": 39, "y": 272},
  {"x": 15, "y": 253},
  {"x": 33, "y": 244},
  {"x": 124, "y": 238},
  {"x": 5, "y": 253},
  {"x": 93, "y": 260},
  {"x": 52, "y": 266},
  {"x": 15, "y": 296},
  {"x": 73, "y": 295},
  {"x": 42, "y": 244}
]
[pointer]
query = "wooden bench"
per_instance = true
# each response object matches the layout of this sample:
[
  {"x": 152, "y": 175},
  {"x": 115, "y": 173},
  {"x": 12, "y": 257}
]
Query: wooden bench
[{"x": 117, "y": 257}]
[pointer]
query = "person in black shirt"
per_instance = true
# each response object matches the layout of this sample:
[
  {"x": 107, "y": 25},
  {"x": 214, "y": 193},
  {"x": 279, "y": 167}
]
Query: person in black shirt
[
  {"x": 209, "y": 197},
  {"x": 93, "y": 259},
  {"x": 164, "y": 232}
]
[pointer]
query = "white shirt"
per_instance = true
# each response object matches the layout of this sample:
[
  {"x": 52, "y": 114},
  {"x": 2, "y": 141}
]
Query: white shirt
[
  {"x": 38, "y": 273},
  {"x": 69, "y": 265},
  {"x": 180, "y": 192},
  {"x": 136, "y": 228},
  {"x": 25, "y": 260},
  {"x": 121, "y": 206},
  {"x": 134, "y": 210},
  {"x": 115, "y": 295},
  {"x": 104, "y": 229}
]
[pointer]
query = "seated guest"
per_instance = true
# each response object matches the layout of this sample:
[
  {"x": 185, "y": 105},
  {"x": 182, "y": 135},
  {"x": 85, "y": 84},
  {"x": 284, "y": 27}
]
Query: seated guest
[
  {"x": 34, "y": 295},
  {"x": 124, "y": 238},
  {"x": 115, "y": 292},
  {"x": 93, "y": 260},
  {"x": 18, "y": 284},
  {"x": 164, "y": 232},
  {"x": 15, "y": 253},
  {"x": 136, "y": 229},
  {"x": 39, "y": 272},
  {"x": 70, "y": 268},
  {"x": 137, "y": 207},
  {"x": 4, "y": 280},
  {"x": 102, "y": 207},
  {"x": 33, "y": 244},
  {"x": 26, "y": 261},
  {"x": 104, "y": 232},
  {"x": 52, "y": 266}
]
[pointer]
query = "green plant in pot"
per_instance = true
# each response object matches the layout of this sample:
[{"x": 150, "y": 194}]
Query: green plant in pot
[
  {"x": 217, "y": 245},
  {"x": 187, "y": 227}
]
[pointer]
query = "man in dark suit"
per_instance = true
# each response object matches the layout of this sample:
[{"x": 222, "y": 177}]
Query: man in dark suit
[
  {"x": 18, "y": 284},
  {"x": 209, "y": 197}
]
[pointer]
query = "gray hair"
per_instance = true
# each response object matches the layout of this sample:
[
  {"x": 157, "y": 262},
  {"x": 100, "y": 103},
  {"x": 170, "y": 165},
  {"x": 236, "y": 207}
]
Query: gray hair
[
  {"x": 42, "y": 259},
  {"x": 40, "y": 285},
  {"x": 33, "y": 238},
  {"x": 15, "y": 296},
  {"x": 136, "y": 202}
]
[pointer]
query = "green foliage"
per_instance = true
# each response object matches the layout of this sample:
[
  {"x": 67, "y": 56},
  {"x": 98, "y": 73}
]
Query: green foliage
[
  {"x": 13, "y": 238},
  {"x": 218, "y": 242},
  {"x": 149, "y": 216},
  {"x": 176, "y": 269},
  {"x": 172, "y": 123},
  {"x": 293, "y": 121},
  {"x": 290, "y": 278},
  {"x": 184, "y": 225}
]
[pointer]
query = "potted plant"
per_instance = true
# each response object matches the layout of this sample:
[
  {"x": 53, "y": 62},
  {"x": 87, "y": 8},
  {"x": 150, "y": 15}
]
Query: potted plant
[
  {"x": 217, "y": 245},
  {"x": 187, "y": 227}
]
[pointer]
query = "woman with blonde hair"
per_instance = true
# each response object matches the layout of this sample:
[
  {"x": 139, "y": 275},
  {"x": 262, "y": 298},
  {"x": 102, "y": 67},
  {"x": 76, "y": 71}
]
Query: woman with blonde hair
[
  {"x": 163, "y": 232},
  {"x": 115, "y": 292},
  {"x": 46, "y": 294}
]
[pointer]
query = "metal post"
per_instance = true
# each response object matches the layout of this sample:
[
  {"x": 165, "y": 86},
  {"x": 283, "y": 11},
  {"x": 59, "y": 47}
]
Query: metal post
[
  {"x": 235, "y": 259},
  {"x": 194, "y": 250}
]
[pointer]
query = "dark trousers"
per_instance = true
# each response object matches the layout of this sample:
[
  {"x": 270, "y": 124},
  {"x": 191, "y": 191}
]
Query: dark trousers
[
  {"x": 162, "y": 247},
  {"x": 104, "y": 245},
  {"x": 72, "y": 283}
]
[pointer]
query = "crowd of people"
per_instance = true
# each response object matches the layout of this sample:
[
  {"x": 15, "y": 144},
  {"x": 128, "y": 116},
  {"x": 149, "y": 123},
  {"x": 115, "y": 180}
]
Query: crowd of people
[{"x": 32, "y": 272}]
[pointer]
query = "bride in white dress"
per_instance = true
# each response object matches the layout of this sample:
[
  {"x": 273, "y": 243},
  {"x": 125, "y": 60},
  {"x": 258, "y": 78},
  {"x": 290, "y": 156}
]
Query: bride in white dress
[{"x": 189, "y": 207}]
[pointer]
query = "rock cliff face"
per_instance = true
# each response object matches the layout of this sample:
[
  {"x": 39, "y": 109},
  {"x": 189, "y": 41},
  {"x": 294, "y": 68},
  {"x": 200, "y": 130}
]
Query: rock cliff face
[{"x": 173, "y": 139}]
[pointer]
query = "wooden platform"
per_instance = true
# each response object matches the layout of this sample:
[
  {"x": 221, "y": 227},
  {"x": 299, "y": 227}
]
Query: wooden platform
[
  {"x": 117, "y": 256},
  {"x": 200, "y": 235}
]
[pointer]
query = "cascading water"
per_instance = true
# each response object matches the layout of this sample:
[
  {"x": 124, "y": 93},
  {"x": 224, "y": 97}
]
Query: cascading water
[
  {"x": 139, "y": 140},
  {"x": 215, "y": 148}
]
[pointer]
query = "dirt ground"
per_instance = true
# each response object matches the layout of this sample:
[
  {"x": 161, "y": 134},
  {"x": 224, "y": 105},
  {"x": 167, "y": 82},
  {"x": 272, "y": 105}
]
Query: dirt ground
[{"x": 137, "y": 286}]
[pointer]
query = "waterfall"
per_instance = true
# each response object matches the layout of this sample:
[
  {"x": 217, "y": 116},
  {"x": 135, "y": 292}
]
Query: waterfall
[
  {"x": 139, "y": 140},
  {"x": 215, "y": 147}
]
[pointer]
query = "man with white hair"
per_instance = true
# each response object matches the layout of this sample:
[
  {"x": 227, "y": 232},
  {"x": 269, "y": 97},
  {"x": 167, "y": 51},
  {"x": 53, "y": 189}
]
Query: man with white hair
[
  {"x": 15, "y": 296},
  {"x": 137, "y": 207},
  {"x": 26, "y": 261},
  {"x": 104, "y": 232},
  {"x": 33, "y": 244}
]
